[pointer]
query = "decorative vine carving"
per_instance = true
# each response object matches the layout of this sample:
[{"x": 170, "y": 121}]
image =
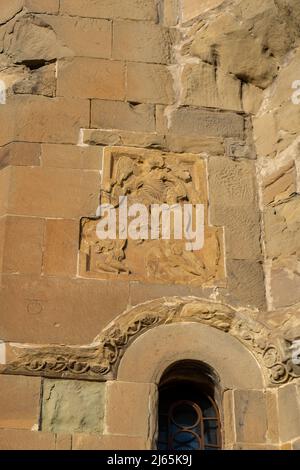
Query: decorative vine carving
[{"x": 100, "y": 361}]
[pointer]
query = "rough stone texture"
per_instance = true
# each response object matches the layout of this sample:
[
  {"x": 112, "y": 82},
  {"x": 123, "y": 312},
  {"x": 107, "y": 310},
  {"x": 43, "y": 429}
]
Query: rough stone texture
[{"x": 73, "y": 406}]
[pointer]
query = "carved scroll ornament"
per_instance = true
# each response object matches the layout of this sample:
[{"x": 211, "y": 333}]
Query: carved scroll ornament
[{"x": 100, "y": 360}]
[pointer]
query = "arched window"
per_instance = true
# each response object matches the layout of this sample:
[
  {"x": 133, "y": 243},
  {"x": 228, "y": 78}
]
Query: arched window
[{"x": 188, "y": 414}]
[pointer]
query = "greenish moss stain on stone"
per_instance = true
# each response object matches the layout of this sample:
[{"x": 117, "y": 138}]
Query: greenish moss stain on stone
[{"x": 73, "y": 406}]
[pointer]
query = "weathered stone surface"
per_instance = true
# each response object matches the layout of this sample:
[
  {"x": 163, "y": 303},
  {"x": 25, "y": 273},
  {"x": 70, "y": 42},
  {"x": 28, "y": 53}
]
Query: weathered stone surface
[
  {"x": 120, "y": 115},
  {"x": 142, "y": 42},
  {"x": 120, "y": 138},
  {"x": 71, "y": 156},
  {"x": 84, "y": 37},
  {"x": 250, "y": 416},
  {"x": 19, "y": 402},
  {"x": 242, "y": 234},
  {"x": 20, "y": 154},
  {"x": 232, "y": 182},
  {"x": 203, "y": 87},
  {"x": 95, "y": 78},
  {"x": 193, "y": 8},
  {"x": 289, "y": 412},
  {"x": 40, "y": 119},
  {"x": 73, "y": 406},
  {"x": 127, "y": 9},
  {"x": 149, "y": 83},
  {"x": 195, "y": 144},
  {"x": 33, "y": 40},
  {"x": 42, "y": 6},
  {"x": 246, "y": 283},
  {"x": 281, "y": 184},
  {"x": 9, "y": 9},
  {"x": 191, "y": 121},
  {"x": 39, "y": 82}
]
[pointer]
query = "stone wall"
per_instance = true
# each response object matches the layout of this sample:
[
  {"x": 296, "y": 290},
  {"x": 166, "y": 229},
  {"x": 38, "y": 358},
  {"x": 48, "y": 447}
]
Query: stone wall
[{"x": 208, "y": 87}]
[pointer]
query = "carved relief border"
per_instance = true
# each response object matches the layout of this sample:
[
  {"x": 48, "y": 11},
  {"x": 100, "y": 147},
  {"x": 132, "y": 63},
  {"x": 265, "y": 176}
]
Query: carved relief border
[{"x": 100, "y": 360}]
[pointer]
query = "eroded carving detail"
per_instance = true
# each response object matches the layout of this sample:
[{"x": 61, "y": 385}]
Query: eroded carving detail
[
  {"x": 100, "y": 360},
  {"x": 152, "y": 177}
]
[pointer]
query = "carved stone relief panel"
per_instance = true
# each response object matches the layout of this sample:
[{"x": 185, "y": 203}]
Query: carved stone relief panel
[{"x": 153, "y": 178}]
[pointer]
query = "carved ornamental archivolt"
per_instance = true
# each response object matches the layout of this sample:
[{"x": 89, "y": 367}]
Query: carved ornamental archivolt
[
  {"x": 150, "y": 177},
  {"x": 100, "y": 360}
]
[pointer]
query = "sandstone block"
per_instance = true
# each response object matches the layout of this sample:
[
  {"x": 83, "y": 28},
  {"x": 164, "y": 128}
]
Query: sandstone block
[
  {"x": 149, "y": 83},
  {"x": 121, "y": 138},
  {"x": 71, "y": 156},
  {"x": 242, "y": 229},
  {"x": 91, "y": 78},
  {"x": 250, "y": 416},
  {"x": 194, "y": 144},
  {"x": 9, "y": 9},
  {"x": 17, "y": 439},
  {"x": 132, "y": 418},
  {"x": 87, "y": 37},
  {"x": 289, "y": 412},
  {"x": 4, "y": 190},
  {"x": 272, "y": 412},
  {"x": 71, "y": 406},
  {"x": 246, "y": 283},
  {"x": 63, "y": 442},
  {"x": 34, "y": 42},
  {"x": 19, "y": 402},
  {"x": 127, "y": 9},
  {"x": 39, "y": 82},
  {"x": 232, "y": 183},
  {"x": 42, "y": 6},
  {"x": 53, "y": 192},
  {"x": 285, "y": 283},
  {"x": 141, "y": 42},
  {"x": 58, "y": 310},
  {"x": 193, "y": 8},
  {"x": 203, "y": 87},
  {"x": 191, "y": 121},
  {"x": 22, "y": 245},
  {"x": 171, "y": 12},
  {"x": 94, "y": 442},
  {"x": 281, "y": 184},
  {"x": 20, "y": 154},
  {"x": 42, "y": 119},
  {"x": 229, "y": 423},
  {"x": 61, "y": 247},
  {"x": 120, "y": 115}
]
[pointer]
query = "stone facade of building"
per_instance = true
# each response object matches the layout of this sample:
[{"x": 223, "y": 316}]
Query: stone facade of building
[{"x": 168, "y": 100}]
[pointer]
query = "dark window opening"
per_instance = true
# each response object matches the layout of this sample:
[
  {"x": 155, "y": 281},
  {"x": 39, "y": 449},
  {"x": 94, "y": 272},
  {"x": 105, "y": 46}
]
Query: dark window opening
[{"x": 188, "y": 414}]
